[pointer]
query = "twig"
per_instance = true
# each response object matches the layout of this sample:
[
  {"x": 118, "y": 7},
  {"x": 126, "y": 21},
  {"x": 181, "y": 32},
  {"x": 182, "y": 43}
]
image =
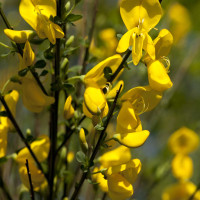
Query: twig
[
  {"x": 54, "y": 113},
  {"x": 84, "y": 175},
  {"x": 30, "y": 181},
  {"x": 20, "y": 50},
  {"x": 67, "y": 136},
  {"x": 90, "y": 35},
  {"x": 4, "y": 188},
  {"x": 121, "y": 66},
  {"x": 12, "y": 119}
]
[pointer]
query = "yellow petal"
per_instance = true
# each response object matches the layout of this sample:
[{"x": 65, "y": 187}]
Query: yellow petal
[
  {"x": 132, "y": 140},
  {"x": 28, "y": 55},
  {"x": 125, "y": 42},
  {"x": 40, "y": 148},
  {"x": 18, "y": 36},
  {"x": 94, "y": 100},
  {"x": 163, "y": 43},
  {"x": 158, "y": 77},
  {"x": 149, "y": 47},
  {"x": 36, "y": 176},
  {"x": 182, "y": 167},
  {"x": 147, "y": 12},
  {"x": 11, "y": 100},
  {"x": 142, "y": 98},
  {"x": 36, "y": 100},
  {"x": 68, "y": 108},
  {"x": 112, "y": 93},
  {"x": 118, "y": 187},
  {"x": 3, "y": 140},
  {"x": 86, "y": 111},
  {"x": 96, "y": 74},
  {"x": 127, "y": 121},
  {"x": 183, "y": 141},
  {"x": 114, "y": 157},
  {"x": 83, "y": 139}
]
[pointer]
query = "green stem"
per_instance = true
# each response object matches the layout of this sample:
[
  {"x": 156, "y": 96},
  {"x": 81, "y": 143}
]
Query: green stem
[
  {"x": 12, "y": 119},
  {"x": 96, "y": 149},
  {"x": 20, "y": 50},
  {"x": 30, "y": 181},
  {"x": 54, "y": 114}
]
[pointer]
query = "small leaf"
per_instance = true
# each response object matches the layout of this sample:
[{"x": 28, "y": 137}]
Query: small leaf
[
  {"x": 69, "y": 88},
  {"x": 40, "y": 64},
  {"x": 107, "y": 72},
  {"x": 23, "y": 72},
  {"x": 73, "y": 18},
  {"x": 3, "y": 114},
  {"x": 44, "y": 73},
  {"x": 99, "y": 127},
  {"x": 75, "y": 68},
  {"x": 80, "y": 157},
  {"x": 15, "y": 79},
  {"x": 69, "y": 51}
]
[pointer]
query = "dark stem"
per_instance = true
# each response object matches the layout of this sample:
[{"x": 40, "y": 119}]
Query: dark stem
[
  {"x": 12, "y": 119},
  {"x": 121, "y": 66},
  {"x": 20, "y": 50},
  {"x": 30, "y": 181},
  {"x": 67, "y": 136},
  {"x": 84, "y": 176},
  {"x": 90, "y": 35},
  {"x": 104, "y": 196},
  {"x": 54, "y": 113},
  {"x": 4, "y": 188},
  {"x": 160, "y": 1}
]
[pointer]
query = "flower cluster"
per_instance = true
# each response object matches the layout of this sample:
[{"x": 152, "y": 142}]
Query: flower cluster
[{"x": 182, "y": 142}]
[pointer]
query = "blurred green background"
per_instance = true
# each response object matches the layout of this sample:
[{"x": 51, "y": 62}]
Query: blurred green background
[{"x": 180, "y": 105}]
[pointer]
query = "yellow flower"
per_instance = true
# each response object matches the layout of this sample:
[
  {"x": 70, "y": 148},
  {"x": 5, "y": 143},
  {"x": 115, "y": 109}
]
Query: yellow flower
[
  {"x": 68, "y": 108},
  {"x": 40, "y": 148},
  {"x": 70, "y": 156},
  {"x": 182, "y": 167},
  {"x": 3, "y": 140},
  {"x": 114, "y": 157},
  {"x": 157, "y": 73},
  {"x": 129, "y": 128},
  {"x": 19, "y": 36},
  {"x": 11, "y": 100},
  {"x": 180, "y": 191},
  {"x": 183, "y": 141},
  {"x": 37, "y": 13},
  {"x": 120, "y": 179},
  {"x": 180, "y": 21},
  {"x": 83, "y": 140},
  {"x": 142, "y": 98},
  {"x": 95, "y": 103},
  {"x": 139, "y": 16}
]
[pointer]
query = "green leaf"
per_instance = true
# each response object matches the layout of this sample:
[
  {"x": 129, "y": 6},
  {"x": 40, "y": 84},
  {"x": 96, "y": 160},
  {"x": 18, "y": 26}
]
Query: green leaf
[
  {"x": 73, "y": 18},
  {"x": 3, "y": 114},
  {"x": 23, "y": 72},
  {"x": 70, "y": 51},
  {"x": 75, "y": 68},
  {"x": 44, "y": 72},
  {"x": 40, "y": 64},
  {"x": 107, "y": 72},
  {"x": 15, "y": 79},
  {"x": 99, "y": 127},
  {"x": 80, "y": 157},
  {"x": 69, "y": 88}
]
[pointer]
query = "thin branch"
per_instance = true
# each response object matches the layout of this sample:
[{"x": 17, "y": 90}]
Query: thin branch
[
  {"x": 18, "y": 130},
  {"x": 90, "y": 35},
  {"x": 4, "y": 188},
  {"x": 84, "y": 175},
  {"x": 30, "y": 181},
  {"x": 20, "y": 50},
  {"x": 54, "y": 113}
]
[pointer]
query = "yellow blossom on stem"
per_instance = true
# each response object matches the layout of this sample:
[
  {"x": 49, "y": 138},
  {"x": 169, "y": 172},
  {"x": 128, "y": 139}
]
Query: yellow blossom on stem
[
  {"x": 183, "y": 141},
  {"x": 68, "y": 108},
  {"x": 139, "y": 16},
  {"x": 19, "y": 36},
  {"x": 157, "y": 72},
  {"x": 37, "y": 13},
  {"x": 116, "y": 156},
  {"x": 182, "y": 167},
  {"x": 180, "y": 191},
  {"x": 83, "y": 140}
]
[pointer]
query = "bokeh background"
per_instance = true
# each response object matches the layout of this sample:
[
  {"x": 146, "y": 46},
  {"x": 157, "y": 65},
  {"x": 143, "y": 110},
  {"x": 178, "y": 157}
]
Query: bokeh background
[{"x": 179, "y": 107}]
